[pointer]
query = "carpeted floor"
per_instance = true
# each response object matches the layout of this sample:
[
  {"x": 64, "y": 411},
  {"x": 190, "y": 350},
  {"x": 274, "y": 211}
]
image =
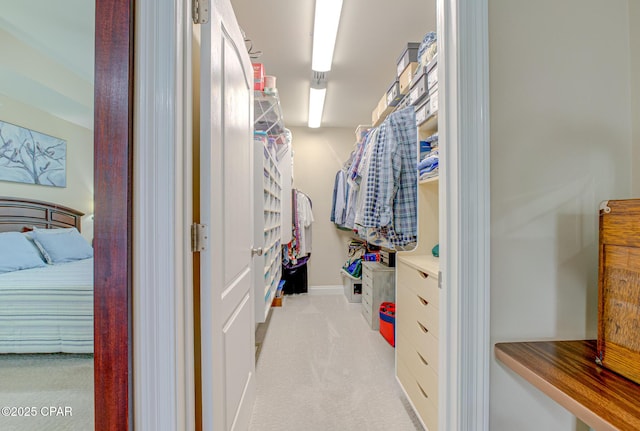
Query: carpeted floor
[
  {"x": 321, "y": 368},
  {"x": 55, "y": 390}
]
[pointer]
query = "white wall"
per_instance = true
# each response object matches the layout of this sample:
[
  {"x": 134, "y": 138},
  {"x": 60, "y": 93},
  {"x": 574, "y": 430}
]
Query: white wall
[
  {"x": 79, "y": 191},
  {"x": 560, "y": 144},
  {"x": 318, "y": 154}
]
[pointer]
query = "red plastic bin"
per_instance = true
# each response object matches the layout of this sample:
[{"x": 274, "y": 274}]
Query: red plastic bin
[{"x": 388, "y": 322}]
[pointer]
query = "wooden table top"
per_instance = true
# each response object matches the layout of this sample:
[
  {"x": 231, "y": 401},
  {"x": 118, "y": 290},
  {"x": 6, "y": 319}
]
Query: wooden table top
[{"x": 566, "y": 371}]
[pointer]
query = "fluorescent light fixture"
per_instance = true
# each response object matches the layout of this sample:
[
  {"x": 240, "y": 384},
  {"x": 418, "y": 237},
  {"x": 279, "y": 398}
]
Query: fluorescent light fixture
[
  {"x": 325, "y": 31},
  {"x": 316, "y": 106}
]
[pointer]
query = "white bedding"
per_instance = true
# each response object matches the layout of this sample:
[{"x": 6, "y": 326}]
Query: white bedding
[{"x": 47, "y": 310}]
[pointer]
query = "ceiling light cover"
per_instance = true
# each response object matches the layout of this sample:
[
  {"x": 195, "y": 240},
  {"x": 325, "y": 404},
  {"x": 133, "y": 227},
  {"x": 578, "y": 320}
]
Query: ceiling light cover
[
  {"x": 325, "y": 31},
  {"x": 316, "y": 106}
]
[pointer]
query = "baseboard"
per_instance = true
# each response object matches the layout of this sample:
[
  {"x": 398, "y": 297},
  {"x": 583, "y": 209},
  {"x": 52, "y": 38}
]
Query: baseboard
[{"x": 337, "y": 289}]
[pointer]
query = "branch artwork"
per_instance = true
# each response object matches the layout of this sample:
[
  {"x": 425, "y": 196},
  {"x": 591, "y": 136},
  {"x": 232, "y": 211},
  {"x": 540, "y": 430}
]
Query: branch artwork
[{"x": 31, "y": 157}]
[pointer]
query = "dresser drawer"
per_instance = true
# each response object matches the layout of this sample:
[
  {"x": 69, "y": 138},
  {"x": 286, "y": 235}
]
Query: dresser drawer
[
  {"x": 410, "y": 334},
  {"x": 411, "y": 305},
  {"x": 368, "y": 316},
  {"x": 421, "y": 371},
  {"x": 424, "y": 284},
  {"x": 366, "y": 272},
  {"x": 426, "y": 408},
  {"x": 367, "y": 292}
]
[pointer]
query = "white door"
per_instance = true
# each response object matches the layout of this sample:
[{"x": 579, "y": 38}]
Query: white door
[{"x": 226, "y": 208}]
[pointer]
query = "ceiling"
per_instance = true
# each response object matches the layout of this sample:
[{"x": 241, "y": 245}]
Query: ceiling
[
  {"x": 48, "y": 52},
  {"x": 52, "y": 66},
  {"x": 371, "y": 37}
]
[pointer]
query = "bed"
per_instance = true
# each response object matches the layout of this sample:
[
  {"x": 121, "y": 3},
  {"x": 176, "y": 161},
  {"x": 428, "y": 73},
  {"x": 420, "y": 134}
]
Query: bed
[{"x": 48, "y": 308}]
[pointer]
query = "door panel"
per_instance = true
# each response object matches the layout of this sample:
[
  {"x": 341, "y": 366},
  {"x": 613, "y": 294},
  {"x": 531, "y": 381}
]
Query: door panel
[
  {"x": 226, "y": 207},
  {"x": 237, "y": 159},
  {"x": 238, "y": 356}
]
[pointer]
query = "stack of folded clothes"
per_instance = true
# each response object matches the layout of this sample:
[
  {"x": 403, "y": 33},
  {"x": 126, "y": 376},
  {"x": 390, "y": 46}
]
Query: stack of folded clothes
[{"x": 428, "y": 165}]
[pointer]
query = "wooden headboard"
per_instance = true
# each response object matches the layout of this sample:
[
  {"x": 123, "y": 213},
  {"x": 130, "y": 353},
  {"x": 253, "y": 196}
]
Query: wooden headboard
[{"x": 16, "y": 214}]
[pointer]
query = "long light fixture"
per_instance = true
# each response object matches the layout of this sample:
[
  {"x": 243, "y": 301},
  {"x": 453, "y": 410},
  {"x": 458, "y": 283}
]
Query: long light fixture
[
  {"x": 325, "y": 31},
  {"x": 316, "y": 106}
]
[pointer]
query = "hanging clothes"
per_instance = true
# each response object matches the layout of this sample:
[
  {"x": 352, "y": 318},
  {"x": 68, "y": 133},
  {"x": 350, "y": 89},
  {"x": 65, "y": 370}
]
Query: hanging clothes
[
  {"x": 382, "y": 201},
  {"x": 305, "y": 218},
  {"x": 339, "y": 206},
  {"x": 298, "y": 250}
]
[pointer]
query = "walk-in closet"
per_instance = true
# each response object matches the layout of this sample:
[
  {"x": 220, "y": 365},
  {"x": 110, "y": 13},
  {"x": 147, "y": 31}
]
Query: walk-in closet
[{"x": 346, "y": 208}]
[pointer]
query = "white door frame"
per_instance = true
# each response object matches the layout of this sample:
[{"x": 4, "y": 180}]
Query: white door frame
[
  {"x": 164, "y": 388},
  {"x": 162, "y": 315},
  {"x": 464, "y": 215}
]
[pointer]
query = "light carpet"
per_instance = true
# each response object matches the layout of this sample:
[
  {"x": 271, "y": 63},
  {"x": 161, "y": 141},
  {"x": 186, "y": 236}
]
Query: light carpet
[
  {"x": 57, "y": 388},
  {"x": 322, "y": 368}
]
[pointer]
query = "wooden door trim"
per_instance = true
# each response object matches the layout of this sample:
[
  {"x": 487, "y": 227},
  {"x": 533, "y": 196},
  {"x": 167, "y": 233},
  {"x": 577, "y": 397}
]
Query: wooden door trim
[{"x": 113, "y": 188}]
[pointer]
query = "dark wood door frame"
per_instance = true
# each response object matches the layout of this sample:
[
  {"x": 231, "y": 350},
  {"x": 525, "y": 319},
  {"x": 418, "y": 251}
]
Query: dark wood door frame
[{"x": 113, "y": 189}]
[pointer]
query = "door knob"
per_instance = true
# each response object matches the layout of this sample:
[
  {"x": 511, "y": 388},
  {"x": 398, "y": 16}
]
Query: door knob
[{"x": 256, "y": 251}]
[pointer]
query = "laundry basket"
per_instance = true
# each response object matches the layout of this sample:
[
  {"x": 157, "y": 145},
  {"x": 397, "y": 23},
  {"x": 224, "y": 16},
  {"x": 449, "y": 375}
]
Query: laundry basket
[{"x": 388, "y": 322}]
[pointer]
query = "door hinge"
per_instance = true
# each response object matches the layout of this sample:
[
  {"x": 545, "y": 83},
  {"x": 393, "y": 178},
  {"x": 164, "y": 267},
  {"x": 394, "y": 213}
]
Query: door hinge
[
  {"x": 439, "y": 279},
  {"x": 199, "y": 237},
  {"x": 200, "y": 11}
]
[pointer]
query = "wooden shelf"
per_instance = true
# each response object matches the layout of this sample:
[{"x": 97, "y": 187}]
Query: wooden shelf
[
  {"x": 566, "y": 371},
  {"x": 432, "y": 180}
]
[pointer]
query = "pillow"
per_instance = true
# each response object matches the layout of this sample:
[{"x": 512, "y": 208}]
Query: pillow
[
  {"x": 17, "y": 252},
  {"x": 61, "y": 245}
]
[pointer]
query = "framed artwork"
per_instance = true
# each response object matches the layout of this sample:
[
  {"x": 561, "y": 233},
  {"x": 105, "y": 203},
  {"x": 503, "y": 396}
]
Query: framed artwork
[{"x": 31, "y": 157}]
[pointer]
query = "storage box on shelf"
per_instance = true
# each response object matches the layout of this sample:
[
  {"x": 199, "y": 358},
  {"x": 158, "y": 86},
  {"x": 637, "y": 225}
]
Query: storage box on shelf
[
  {"x": 383, "y": 108},
  {"x": 404, "y": 79},
  {"x": 408, "y": 56},
  {"x": 432, "y": 72},
  {"x": 258, "y": 76},
  {"x": 393, "y": 94},
  {"x": 418, "y": 90}
]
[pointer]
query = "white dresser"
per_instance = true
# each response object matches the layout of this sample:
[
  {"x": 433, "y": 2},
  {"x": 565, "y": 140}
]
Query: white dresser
[
  {"x": 378, "y": 286},
  {"x": 417, "y": 335}
]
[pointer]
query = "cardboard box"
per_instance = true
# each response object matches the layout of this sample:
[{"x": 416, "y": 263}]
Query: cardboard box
[
  {"x": 375, "y": 117},
  {"x": 409, "y": 55},
  {"x": 383, "y": 108},
  {"x": 618, "y": 347},
  {"x": 432, "y": 73},
  {"x": 418, "y": 89},
  {"x": 433, "y": 100},
  {"x": 404, "y": 81},
  {"x": 393, "y": 94},
  {"x": 423, "y": 112},
  {"x": 258, "y": 76}
]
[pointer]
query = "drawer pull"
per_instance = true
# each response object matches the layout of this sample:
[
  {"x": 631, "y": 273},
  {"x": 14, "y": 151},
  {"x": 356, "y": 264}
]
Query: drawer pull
[
  {"x": 423, "y": 301},
  {"x": 423, "y": 274},
  {"x": 422, "y": 390},
  {"x": 424, "y": 361},
  {"x": 422, "y": 327}
]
